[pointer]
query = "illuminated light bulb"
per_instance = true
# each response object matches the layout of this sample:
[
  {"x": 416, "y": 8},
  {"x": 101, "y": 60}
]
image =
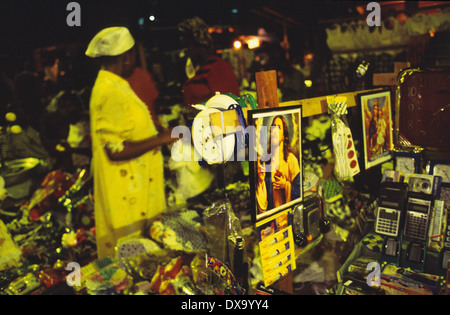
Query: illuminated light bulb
[
  {"x": 361, "y": 10},
  {"x": 308, "y": 83},
  {"x": 10, "y": 117},
  {"x": 237, "y": 44},
  {"x": 60, "y": 148},
  {"x": 253, "y": 43},
  {"x": 16, "y": 129}
]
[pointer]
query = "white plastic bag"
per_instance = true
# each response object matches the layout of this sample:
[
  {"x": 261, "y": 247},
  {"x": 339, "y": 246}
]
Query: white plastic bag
[{"x": 347, "y": 164}]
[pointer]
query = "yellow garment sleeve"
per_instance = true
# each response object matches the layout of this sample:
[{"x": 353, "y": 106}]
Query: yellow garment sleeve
[{"x": 114, "y": 122}]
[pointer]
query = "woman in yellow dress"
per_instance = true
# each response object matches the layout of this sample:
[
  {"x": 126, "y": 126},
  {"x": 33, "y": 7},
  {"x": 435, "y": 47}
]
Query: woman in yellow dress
[{"x": 127, "y": 162}]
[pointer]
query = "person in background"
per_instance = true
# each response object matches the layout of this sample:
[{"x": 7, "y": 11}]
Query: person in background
[
  {"x": 78, "y": 135},
  {"x": 61, "y": 115},
  {"x": 142, "y": 83},
  {"x": 291, "y": 82},
  {"x": 207, "y": 73},
  {"x": 127, "y": 161},
  {"x": 27, "y": 139}
]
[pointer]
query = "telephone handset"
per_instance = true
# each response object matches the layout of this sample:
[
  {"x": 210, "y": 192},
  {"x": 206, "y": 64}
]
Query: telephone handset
[{"x": 390, "y": 208}]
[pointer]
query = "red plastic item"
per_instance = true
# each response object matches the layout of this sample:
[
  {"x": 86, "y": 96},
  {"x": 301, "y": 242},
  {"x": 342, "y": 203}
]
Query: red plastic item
[{"x": 51, "y": 277}]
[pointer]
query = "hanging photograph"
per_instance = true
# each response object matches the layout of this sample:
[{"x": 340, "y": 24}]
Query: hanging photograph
[
  {"x": 275, "y": 160},
  {"x": 377, "y": 131}
]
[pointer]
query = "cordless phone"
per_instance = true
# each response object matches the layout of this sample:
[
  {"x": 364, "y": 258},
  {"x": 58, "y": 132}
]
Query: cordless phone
[
  {"x": 390, "y": 208},
  {"x": 418, "y": 209},
  {"x": 389, "y": 220},
  {"x": 308, "y": 222},
  {"x": 415, "y": 231},
  {"x": 445, "y": 253}
]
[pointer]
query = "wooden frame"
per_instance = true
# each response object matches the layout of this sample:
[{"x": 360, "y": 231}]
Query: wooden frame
[{"x": 377, "y": 127}]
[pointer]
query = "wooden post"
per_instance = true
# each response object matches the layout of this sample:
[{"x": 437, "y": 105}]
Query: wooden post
[{"x": 267, "y": 89}]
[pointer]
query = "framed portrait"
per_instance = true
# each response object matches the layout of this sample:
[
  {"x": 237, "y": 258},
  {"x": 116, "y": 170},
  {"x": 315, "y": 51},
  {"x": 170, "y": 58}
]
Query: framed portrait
[
  {"x": 275, "y": 159},
  {"x": 377, "y": 127}
]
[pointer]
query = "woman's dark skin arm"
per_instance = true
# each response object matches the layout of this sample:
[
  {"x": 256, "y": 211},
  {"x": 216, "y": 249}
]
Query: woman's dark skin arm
[{"x": 134, "y": 149}]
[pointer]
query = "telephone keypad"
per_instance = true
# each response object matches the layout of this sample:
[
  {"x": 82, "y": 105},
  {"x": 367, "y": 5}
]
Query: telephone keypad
[{"x": 387, "y": 221}]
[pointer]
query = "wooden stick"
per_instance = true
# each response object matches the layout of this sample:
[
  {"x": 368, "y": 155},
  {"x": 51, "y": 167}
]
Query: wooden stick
[
  {"x": 310, "y": 107},
  {"x": 267, "y": 89}
]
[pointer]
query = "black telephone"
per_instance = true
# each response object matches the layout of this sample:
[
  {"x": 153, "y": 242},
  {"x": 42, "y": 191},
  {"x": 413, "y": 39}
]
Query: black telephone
[
  {"x": 415, "y": 232},
  {"x": 308, "y": 220},
  {"x": 445, "y": 253},
  {"x": 446, "y": 250},
  {"x": 391, "y": 203},
  {"x": 418, "y": 210}
]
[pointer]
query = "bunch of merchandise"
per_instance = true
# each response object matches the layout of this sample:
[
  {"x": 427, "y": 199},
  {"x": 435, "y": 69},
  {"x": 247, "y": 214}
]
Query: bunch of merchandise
[
  {"x": 54, "y": 227},
  {"x": 50, "y": 248}
]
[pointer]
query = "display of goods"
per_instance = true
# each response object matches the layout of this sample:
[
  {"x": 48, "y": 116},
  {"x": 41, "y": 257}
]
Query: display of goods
[{"x": 179, "y": 231}]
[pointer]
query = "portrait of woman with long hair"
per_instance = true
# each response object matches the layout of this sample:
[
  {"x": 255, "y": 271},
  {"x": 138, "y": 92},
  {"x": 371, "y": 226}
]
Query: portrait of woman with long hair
[{"x": 278, "y": 178}]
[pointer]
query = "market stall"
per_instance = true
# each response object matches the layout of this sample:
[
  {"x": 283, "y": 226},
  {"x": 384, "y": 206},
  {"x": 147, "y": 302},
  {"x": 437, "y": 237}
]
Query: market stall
[
  {"x": 342, "y": 193},
  {"x": 214, "y": 242}
]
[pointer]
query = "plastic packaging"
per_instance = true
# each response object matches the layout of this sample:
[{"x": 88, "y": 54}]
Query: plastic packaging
[
  {"x": 221, "y": 225},
  {"x": 343, "y": 145},
  {"x": 226, "y": 251}
]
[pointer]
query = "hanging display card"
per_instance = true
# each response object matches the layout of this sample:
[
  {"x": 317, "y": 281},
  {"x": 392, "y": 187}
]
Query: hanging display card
[{"x": 276, "y": 247}]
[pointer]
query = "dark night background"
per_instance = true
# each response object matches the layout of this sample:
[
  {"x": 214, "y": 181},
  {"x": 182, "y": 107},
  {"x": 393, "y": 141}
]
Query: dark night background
[{"x": 29, "y": 24}]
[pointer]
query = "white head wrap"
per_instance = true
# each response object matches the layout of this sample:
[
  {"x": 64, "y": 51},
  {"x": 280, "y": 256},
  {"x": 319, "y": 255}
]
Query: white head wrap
[{"x": 111, "y": 41}]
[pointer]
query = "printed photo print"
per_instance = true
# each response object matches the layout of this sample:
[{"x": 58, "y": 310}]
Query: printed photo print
[{"x": 276, "y": 173}]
